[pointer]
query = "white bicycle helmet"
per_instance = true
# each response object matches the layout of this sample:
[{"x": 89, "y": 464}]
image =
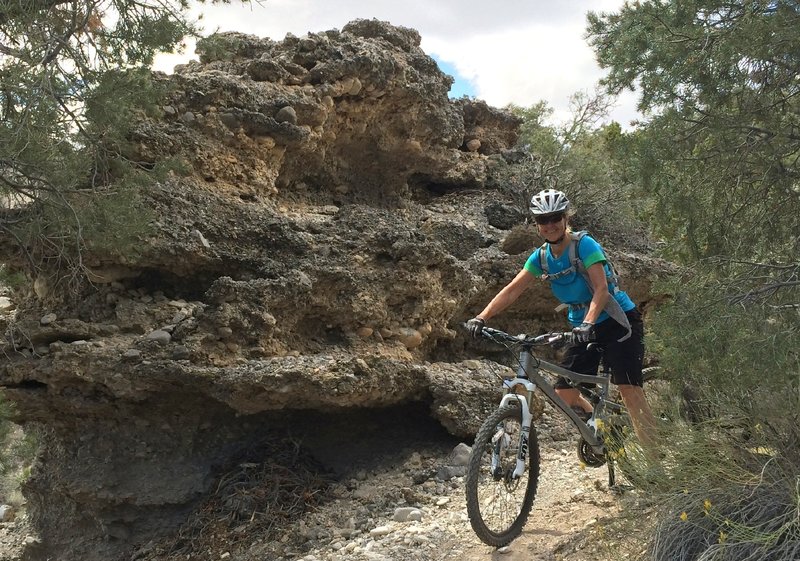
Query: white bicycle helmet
[{"x": 549, "y": 201}]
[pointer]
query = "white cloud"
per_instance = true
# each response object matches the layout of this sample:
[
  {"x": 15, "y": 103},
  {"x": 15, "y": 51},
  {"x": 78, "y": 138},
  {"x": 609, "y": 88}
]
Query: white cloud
[{"x": 511, "y": 51}]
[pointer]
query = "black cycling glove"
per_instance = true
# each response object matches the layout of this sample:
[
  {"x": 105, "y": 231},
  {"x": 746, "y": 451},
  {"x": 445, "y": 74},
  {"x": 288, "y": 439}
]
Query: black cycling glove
[
  {"x": 475, "y": 327},
  {"x": 583, "y": 333}
]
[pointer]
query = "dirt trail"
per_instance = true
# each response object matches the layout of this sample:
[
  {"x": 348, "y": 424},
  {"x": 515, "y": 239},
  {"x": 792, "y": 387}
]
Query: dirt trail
[
  {"x": 574, "y": 517},
  {"x": 571, "y": 507}
]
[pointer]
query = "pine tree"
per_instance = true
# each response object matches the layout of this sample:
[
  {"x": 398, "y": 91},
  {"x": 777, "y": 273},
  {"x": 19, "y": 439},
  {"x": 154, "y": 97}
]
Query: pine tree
[{"x": 73, "y": 76}]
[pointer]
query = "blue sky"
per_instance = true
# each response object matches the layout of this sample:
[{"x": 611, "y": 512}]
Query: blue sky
[{"x": 461, "y": 86}]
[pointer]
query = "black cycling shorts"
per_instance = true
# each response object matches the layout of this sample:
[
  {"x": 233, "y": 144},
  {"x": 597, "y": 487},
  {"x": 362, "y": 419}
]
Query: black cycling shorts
[{"x": 625, "y": 358}]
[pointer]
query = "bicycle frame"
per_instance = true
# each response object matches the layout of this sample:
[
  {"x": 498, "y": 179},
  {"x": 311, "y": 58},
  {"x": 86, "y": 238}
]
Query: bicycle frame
[{"x": 530, "y": 377}]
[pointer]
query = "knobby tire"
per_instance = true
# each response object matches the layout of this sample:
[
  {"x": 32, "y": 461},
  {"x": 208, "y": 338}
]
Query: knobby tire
[{"x": 498, "y": 506}]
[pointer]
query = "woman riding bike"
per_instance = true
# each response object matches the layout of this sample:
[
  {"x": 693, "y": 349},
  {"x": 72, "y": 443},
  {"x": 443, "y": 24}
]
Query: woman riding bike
[{"x": 581, "y": 278}]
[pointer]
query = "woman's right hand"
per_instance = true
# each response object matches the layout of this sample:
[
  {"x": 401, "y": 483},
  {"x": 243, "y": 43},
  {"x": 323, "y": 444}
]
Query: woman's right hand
[{"x": 475, "y": 327}]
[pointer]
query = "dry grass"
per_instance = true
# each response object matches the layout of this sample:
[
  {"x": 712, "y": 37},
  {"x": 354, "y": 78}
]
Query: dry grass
[{"x": 258, "y": 495}]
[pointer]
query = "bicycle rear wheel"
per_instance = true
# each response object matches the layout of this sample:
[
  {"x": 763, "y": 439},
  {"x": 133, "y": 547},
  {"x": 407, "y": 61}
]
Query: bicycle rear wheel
[{"x": 498, "y": 504}]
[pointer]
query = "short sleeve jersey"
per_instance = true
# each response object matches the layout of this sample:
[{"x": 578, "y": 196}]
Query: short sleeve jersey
[{"x": 572, "y": 288}]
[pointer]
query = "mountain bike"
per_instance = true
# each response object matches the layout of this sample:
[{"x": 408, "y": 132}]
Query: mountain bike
[{"x": 503, "y": 471}]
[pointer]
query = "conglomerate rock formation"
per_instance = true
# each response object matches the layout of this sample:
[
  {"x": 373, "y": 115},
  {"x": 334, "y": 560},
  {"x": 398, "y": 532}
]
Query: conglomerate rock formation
[{"x": 334, "y": 224}]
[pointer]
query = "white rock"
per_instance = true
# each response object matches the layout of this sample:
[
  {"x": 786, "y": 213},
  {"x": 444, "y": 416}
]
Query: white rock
[
  {"x": 460, "y": 455},
  {"x": 407, "y": 514},
  {"x": 380, "y": 531},
  {"x": 6, "y": 513}
]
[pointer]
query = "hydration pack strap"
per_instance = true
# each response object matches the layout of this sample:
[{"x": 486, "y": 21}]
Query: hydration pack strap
[
  {"x": 613, "y": 309},
  {"x": 615, "y": 312}
]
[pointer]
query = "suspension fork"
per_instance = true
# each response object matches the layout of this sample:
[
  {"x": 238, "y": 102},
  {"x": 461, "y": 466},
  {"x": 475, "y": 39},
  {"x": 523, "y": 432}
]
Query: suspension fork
[{"x": 525, "y": 362}]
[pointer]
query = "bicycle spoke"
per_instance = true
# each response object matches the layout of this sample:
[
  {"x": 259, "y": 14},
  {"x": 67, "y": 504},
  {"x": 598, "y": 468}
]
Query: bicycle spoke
[{"x": 499, "y": 503}]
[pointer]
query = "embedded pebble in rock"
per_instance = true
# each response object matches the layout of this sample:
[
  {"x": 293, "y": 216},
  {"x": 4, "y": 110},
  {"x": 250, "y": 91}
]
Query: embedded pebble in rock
[
  {"x": 286, "y": 115},
  {"x": 159, "y": 336},
  {"x": 180, "y": 353},
  {"x": 411, "y": 338},
  {"x": 132, "y": 354},
  {"x": 47, "y": 319},
  {"x": 474, "y": 145}
]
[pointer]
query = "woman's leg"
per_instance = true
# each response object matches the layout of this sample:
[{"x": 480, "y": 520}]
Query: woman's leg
[
  {"x": 625, "y": 358},
  {"x": 644, "y": 423},
  {"x": 578, "y": 358},
  {"x": 574, "y": 398}
]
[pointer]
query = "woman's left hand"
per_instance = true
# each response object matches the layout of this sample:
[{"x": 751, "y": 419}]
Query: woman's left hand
[{"x": 583, "y": 333}]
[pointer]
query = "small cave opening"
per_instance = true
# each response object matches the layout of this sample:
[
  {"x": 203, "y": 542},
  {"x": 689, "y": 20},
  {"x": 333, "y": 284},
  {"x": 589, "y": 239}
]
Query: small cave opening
[
  {"x": 424, "y": 189},
  {"x": 173, "y": 285},
  {"x": 27, "y": 385},
  {"x": 317, "y": 330},
  {"x": 338, "y": 442},
  {"x": 354, "y": 440}
]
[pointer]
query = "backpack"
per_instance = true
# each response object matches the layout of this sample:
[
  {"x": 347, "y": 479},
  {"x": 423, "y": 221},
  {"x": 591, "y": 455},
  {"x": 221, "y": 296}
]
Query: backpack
[{"x": 613, "y": 309}]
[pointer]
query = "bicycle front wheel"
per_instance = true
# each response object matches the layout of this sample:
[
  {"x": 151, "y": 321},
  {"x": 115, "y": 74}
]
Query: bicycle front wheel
[{"x": 498, "y": 503}]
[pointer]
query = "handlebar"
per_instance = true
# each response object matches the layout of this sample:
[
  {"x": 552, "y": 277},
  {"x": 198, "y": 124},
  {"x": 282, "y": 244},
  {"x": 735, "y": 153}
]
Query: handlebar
[{"x": 524, "y": 339}]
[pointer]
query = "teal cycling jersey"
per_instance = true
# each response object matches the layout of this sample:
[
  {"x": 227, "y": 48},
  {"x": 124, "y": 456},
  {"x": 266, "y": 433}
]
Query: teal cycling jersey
[{"x": 572, "y": 289}]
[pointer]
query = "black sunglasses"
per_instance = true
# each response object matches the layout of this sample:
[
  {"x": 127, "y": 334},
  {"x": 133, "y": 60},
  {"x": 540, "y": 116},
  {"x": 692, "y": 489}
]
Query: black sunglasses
[{"x": 550, "y": 219}]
